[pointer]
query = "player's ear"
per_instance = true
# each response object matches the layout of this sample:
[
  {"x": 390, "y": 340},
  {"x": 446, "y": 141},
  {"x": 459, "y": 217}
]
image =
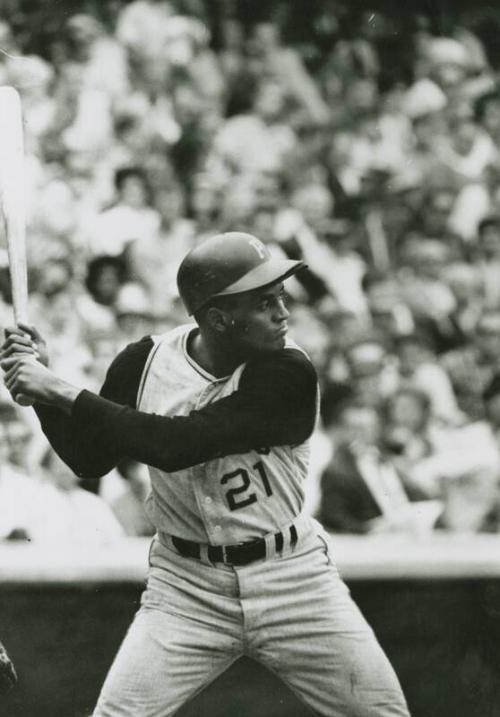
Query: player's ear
[{"x": 218, "y": 319}]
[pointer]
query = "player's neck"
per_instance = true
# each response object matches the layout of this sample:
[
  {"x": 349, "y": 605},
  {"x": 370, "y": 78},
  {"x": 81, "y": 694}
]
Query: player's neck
[{"x": 213, "y": 355}]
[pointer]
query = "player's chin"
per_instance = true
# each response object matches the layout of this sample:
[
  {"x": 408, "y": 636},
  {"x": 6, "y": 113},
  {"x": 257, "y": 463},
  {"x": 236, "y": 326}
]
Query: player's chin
[{"x": 276, "y": 342}]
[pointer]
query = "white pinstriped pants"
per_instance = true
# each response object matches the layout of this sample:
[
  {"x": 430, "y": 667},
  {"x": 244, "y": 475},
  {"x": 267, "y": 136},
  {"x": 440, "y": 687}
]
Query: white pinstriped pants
[{"x": 291, "y": 613}]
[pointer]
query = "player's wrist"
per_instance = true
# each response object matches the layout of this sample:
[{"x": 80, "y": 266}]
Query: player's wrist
[{"x": 63, "y": 395}]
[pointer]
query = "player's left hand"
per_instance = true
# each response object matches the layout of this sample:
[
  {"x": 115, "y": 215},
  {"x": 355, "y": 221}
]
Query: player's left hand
[
  {"x": 27, "y": 376},
  {"x": 8, "y": 677}
]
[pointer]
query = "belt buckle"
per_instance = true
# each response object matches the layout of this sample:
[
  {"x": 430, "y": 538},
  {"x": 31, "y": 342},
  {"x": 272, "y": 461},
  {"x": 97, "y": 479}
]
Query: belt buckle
[{"x": 224, "y": 554}]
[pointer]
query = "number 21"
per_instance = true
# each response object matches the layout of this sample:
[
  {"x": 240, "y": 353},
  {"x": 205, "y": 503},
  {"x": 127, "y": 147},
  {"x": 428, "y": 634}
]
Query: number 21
[{"x": 231, "y": 495}]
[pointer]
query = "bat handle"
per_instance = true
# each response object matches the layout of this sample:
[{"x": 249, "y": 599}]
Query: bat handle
[{"x": 20, "y": 316}]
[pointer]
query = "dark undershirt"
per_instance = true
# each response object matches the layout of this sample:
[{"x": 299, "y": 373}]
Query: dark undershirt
[{"x": 275, "y": 404}]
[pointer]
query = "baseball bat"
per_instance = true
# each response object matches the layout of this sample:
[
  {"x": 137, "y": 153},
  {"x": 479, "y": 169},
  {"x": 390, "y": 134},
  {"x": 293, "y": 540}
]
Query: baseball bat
[{"x": 12, "y": 202}]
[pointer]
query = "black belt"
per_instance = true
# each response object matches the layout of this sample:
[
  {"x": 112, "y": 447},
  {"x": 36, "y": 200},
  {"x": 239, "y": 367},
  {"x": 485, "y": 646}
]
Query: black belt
[{"x": 237, "y": 554}]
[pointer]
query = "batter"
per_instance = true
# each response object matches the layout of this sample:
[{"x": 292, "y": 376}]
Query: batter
[{"x": 221, "y": 411}]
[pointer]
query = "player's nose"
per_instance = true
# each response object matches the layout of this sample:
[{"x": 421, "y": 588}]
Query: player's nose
[{"x": 282, "y": 312}]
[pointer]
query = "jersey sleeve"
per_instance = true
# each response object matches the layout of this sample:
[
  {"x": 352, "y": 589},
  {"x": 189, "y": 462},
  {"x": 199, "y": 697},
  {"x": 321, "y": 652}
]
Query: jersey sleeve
[
  {"x": 275, "y": 404},
  {"x": 87, "y": 452}
]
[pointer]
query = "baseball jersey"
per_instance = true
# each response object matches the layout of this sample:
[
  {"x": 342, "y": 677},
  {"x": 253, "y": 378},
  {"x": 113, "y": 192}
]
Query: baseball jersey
[{"x": 228, "y": 456}]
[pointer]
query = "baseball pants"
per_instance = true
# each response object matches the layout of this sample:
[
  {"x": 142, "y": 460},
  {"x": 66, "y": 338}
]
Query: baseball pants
[{"x": 292, "y": 613}]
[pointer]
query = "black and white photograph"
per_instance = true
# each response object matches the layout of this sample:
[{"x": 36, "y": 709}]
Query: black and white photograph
[{"x": 249, "y": 358}]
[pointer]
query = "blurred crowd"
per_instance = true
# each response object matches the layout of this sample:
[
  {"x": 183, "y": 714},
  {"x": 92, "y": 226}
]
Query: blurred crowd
[{"x": 370, "y": 150}]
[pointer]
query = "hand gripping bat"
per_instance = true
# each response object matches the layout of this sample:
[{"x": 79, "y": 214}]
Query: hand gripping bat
[{"x": 12, "y": 203}]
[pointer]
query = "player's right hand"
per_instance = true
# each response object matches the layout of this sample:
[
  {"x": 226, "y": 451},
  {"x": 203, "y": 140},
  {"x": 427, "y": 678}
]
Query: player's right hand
[{"x": 23, "y": 339}]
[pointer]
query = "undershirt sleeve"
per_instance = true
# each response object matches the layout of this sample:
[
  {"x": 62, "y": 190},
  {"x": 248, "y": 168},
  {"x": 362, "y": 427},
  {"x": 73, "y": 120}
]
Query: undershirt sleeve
[
  {"x": 87, "y": 452},
  {"x": 275, "y": 404}
]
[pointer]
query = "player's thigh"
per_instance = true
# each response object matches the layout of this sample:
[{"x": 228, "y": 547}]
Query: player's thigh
[
  {"x": 164, "y": 660},
  {"x": 316, "y": 639}
]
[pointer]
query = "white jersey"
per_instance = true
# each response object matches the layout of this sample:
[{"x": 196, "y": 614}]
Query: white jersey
[{"x": 226, "y": 500}]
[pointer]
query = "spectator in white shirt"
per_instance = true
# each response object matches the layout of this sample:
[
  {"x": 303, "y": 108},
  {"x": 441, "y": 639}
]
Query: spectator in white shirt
[{"x": 130, "y": 218}]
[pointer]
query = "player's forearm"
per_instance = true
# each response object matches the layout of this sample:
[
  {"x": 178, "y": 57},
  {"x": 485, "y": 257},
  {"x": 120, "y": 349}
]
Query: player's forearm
[
  {"x": 226, "y": 427},
  {"x": 88, "y": 454}
]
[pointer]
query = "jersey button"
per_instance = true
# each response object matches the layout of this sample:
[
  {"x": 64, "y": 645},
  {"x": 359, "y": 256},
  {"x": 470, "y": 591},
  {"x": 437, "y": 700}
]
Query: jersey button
[
  {"x": 217, "y": 529},
  {"x": 208, "y": 500}
]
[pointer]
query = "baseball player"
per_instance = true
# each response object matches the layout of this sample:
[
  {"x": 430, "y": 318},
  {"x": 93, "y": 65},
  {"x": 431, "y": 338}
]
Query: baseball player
[{"x": 221, "y": 411}]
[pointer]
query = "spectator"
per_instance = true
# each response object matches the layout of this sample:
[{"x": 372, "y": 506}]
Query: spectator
[
  {"x": 19, "y": 494},
  {"x": 134, "y": 314},
  {"x": 383, "y": 176},
  {"x": 370, "y": 371},
  {"x": 105, "y": 275},
  {"x": 68, "y": 514},
  {"x": 466, "y": 150},
  {"x": 361, "y": 490},
  {"x": 488, "y": 259},
  {"x": 472, "y": 367},
  {"x": 260, "y": 140},
  {"x": 464, "y": 280},
  {"x": 140, "y": 28},
  {"x": 418, "y": 369},
  {"x": 388, "y": 314},
  {"x": 286, "y": 68},
  {"x": 53, "y": 309},
  {"x": 125, "y": 490},
  {"x": 422, "y": 288},
  {"x": 154, "y": 260},
  {"x": 130, "y": 218}
]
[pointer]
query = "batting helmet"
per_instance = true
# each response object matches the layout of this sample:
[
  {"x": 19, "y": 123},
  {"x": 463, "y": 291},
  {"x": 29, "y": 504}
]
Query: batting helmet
[{"x": 229, "y": 263}]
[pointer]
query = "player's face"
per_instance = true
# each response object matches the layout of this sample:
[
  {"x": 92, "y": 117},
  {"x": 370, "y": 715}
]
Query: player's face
[{"x": 260, "y": 319}]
